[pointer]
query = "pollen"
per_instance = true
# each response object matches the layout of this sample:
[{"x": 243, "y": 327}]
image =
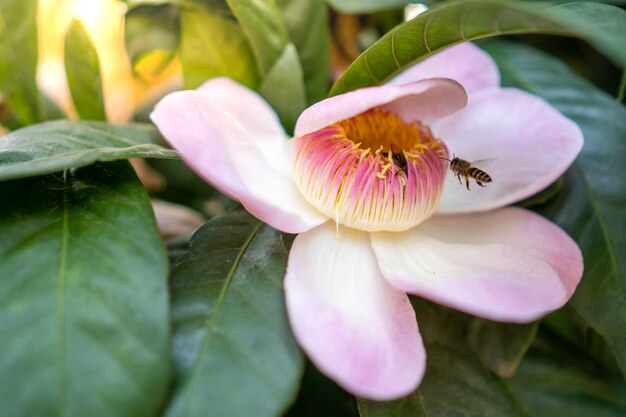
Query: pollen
[{"x": 371, "y": 172}]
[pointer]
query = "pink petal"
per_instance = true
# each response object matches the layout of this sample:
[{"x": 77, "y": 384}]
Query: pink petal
[
  {"x": 527, "y": 142},
  {"x": 353, "y": 325},
  {"x": 244, "y": 158},
  {"x": 466, "y": 63},
  {"x": 506, "y": 265},
  {"x": 245, "y": 104},
  {"x": 426, "y": 99}
]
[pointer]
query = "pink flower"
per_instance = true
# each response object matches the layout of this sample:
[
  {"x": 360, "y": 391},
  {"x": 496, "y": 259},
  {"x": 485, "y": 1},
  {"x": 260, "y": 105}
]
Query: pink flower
[{"x": 373, "y": 226}]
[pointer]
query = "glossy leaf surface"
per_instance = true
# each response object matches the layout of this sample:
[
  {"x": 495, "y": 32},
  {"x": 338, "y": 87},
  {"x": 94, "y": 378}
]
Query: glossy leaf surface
[
  {"x": 456, "y": 22},
  {"x": 233, "y": 349},
  {"x": 83, "y": 296},
  {"x": 54, "y": 146}
]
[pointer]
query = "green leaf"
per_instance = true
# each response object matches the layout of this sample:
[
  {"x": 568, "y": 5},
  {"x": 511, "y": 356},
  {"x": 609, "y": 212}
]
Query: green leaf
[
  {"x": 366, "y": 6},
  {"x": 592, "y": 205},
  {"x": 544, "y": 195},
  {"x": 149, "y": 28},
  {"x": 83, "y": 73},
  {"x": 556, "y": 379},
  {"x": 83, "y": 296},
  {"x": 308, "y": 29},
  {"x": 54, "y": 146},
  {"x": 456, "y": 383},
  {"x": 263, "y": 25},
  {"x": 457, "y": 22},
  {"x": 321, "y": 397},
  {"x": 233, "y": 349},
  {"x": 501, "y": 346},
  {"x": 410, "y": 406},
  {"x": 18, "y": 58},
  {"x": 602, "y": 25},
  {"x": 212, "y": 45},
  {"x": 283, "y": 88}
]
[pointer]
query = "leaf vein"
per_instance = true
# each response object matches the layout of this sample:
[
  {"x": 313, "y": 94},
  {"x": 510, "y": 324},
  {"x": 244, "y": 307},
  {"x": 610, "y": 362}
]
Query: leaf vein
[
  {"x": 393, "y": 49},
  {"x": 216, "y": 310},
  {"x": 425, "y": 36},
  {"x": 61, "y": 304}
]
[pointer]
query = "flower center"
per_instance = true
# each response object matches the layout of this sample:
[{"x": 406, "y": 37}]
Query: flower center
[{"x": 371, "y": 172}]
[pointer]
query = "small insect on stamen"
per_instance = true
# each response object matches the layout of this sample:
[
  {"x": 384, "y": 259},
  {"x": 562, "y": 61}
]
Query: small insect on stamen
[
  {"x": 399, "y": 159},
  {"x": 461, "y": 167}
]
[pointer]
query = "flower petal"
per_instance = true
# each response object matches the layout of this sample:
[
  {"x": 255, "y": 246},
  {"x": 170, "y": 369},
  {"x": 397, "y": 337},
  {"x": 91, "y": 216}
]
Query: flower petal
[
  {"x": 426, "y": 99},
  {"x": 245, "y": 104},
  {"x": 353, "y": 325},
  {"x": 506, "y": 265},
  {"x": 466, "y": 63},
  {"x": 528, "y": 142},
  {"x": 241, "y": 157}
]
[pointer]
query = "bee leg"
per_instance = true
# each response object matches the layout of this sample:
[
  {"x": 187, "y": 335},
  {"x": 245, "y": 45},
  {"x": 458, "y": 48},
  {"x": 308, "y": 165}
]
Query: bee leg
[
  {"x": 458, "y": 177},
  {"x": 467, "y": 183}
]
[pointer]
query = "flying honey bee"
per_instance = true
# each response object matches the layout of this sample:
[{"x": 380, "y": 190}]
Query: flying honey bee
[{"x": 461, "y": 167}]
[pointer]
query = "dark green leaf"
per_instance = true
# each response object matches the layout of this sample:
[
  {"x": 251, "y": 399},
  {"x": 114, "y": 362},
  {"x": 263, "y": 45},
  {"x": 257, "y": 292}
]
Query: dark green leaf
[
  {"x": 457, "y": 22},
  {"x": 556, "y": 379},
  {"x": 410, "y": 406},
  {"x": 83, "y": 296},
  {"x": 149, "y": 28},
  {"x": 456, "y": 383},
  {"x": 321, "y": 397},
  {"x": 83, "y": 73},
  {"x": 501, "y": 346},
  {"x": 183, "y": 186},
  {"x": 622, "y": 87},
  {"x": 365, "y": 6},
  {"x": 602, "y": 25},
  {"x": 263, "y": 25},
  {"x": 592, "y": 205},
  {"x": 18, "y": 58},
  {"x": 212, "y": 45},
  {"x": 233, "y": 349},
  {"x": 54, "y": 146},
  {"x": 307, "y": 25},
  {"x": 544, "y": 195},
  {"x": 283, "y": 87}
]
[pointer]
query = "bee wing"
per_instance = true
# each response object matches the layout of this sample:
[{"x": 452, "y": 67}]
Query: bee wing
[{"x": 482, "y": 163}]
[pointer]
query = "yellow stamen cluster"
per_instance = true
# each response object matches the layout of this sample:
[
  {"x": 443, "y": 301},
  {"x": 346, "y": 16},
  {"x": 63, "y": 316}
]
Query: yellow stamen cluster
[{"x": 372, "y": 172}]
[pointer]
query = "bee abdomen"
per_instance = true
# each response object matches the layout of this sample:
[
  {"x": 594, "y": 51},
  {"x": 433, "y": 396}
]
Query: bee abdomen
[{"x": 478, "y": 175}]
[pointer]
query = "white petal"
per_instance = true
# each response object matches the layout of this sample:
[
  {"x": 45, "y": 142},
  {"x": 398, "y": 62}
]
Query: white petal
[
  {"x": 466, "y": 63},
  {"x": 245, "y": 160},
  {"x": 353, "y": 325},
  {"x": 527, "y": 142},
  {"x": 506, "y": 265},
  {"x": 425, "y": 99}
]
